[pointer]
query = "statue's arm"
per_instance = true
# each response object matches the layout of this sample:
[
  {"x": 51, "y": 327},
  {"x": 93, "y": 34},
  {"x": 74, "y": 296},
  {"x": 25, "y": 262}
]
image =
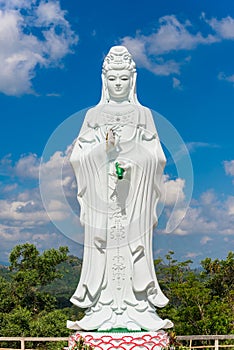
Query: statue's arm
[
  {"x": 81, "y": 146},
  {"x": 76, "y": 160},
  {"x": 156, "y": 148}
]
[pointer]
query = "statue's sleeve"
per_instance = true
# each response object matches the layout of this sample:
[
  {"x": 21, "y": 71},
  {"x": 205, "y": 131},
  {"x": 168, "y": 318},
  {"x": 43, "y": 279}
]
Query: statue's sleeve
[
  {"x": 157, "y": 150},
  {"x": 81, "y": 148}
]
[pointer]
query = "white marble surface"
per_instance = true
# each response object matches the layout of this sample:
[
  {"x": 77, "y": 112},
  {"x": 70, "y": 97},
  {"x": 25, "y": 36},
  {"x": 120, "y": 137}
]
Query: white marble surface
[{"x": 118, "y": 285}]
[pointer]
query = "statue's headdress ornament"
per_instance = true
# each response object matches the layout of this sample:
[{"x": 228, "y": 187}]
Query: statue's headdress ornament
[{"x": 118, "y": 58}]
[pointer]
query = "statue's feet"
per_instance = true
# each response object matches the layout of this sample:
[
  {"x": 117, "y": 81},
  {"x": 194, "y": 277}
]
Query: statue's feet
[
  {"x": 131, "y": 326},
  {"x": 107, "y": 326}
]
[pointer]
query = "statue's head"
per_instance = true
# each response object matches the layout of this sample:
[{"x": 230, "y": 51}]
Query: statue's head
[{"x": 119, "y": 76}]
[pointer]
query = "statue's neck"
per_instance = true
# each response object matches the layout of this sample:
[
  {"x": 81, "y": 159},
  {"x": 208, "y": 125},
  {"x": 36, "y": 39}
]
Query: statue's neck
[{"x": 118, "y": 102}]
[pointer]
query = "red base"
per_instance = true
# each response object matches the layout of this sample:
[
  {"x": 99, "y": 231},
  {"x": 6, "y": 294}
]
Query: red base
[{"x": 128, "y": 341}]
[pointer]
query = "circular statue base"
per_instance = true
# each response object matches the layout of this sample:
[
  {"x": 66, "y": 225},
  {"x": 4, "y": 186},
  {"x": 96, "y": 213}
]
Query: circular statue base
[{"x": 120, "y": 340}]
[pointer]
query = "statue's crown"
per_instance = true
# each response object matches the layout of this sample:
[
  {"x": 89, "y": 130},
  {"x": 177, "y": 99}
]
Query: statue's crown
[{"x": 118, "y": 58}]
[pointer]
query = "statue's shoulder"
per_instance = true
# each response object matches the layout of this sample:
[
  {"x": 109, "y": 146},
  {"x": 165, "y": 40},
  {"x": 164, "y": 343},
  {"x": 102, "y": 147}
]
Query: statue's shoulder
[
  {"x": 144, "y": 109},
  {"x": 92, "y": 113},
  {"x": 94, "y": 110}
]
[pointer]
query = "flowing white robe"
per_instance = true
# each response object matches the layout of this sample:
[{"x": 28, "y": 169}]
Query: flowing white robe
[{"x": 118, "y": 284}]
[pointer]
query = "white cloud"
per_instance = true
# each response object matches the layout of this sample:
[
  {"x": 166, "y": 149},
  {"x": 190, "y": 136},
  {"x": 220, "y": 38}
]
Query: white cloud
[
  {"x": 22, "y": 51},
  {"x": 229, "y": 167},
  {"x": 22, "y": 214},
  {"x": 26, "y": 209},
  {"x": 228, "y": 78},
  {"x": 172, "y": 191},
  {"x": 224, "y": 27},
  {"x": 176, "y": 83},
  {"x": 50, "y": 13},
  {"x": 193, "y": 146},
  {"x": 173, "y": 36},
  {"x": 208, "y": 198},
  {"x": 205, "y": 240},
  {"x": 195, "y": 222},
  {"x": 28, "y": 166},
  {"x": 159, "y": 66},
  {"x": 44, "y": 237},
  {"x": 57, "y": 181},
  {"x": 230, "y": 205},
  {"x": 191, "y": 255},
  {"x": 209, "y": 215},
  {"x": 16, "y": 4},
  {"x": 53, "y": 94},
  {"x": 9, "y": 188}
]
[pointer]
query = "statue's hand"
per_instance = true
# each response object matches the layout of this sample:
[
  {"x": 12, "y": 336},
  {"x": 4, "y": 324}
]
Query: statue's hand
[
  {"x": 125, "y": 165},
  {"x": 112, "y": 139},
  {"x": 121, "y": 168}
]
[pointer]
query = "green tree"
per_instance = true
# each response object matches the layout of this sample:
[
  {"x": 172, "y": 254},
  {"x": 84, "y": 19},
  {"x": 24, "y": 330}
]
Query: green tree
[
  {"x": 197, "y": 304},
  {"x": 32, "y": 270},
  {"x": 219, "y": 275},
  {"x": 16, "y": 323},
  {"x": 6, "y": 302}
]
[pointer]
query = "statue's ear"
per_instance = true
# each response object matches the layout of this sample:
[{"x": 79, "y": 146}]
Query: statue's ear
[
  {"x": 104, "y": 82},
  {"x": 131, "y": 80},
  {"x": 131, "y": 92},
  {"x": 107, "y": 96}
]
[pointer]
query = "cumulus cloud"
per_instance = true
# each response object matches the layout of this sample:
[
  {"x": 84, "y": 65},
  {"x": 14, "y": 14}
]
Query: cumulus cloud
[
  {"x": 209, "y": 215},
  {"x": 224, "y": 28},
  {"x": 172, "y": 191},
  {"x": 176, "y": 83},
  {"x": 25, "y": 213},
  {"x": 229, "y": 167},
  {"x": 56, "y": 201},
  {"x": 28, "y": 166},
  {"x": 228, "y": 78},
  {"x": 22, "y": 214},
  {"x": 56, "y": 179},
  {"x": 8, "y": 188},
  {"x": 230, "y": 205},
  {"x": 192, "y": 255},
  {"x": 158, "y": 65},
  {"x": 205, "y": 240},
  {"x": 33, "y": 34},
  {"x": 193, "y": 146},
  {"x": 58, "y": 187},
  {"x": 173, "y": 36},
  {"x": 44, "y": 237}
]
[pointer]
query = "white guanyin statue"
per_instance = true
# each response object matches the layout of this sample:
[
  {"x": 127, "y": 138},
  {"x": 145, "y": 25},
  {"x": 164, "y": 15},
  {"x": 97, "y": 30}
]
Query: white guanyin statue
[{"x": 118, "y": 163}]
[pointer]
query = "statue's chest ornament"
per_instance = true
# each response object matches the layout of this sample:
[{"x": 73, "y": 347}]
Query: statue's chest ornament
[{"x": 119, "y": 117}]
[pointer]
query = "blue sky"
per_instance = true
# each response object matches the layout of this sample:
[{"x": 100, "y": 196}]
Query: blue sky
[{"x": 51, "y": 54}]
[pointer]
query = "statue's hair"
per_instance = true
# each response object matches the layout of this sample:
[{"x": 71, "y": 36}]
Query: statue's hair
[{"x": 118, "y": 58}]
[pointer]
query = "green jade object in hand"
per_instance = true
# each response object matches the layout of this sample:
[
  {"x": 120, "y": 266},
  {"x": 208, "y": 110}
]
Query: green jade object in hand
[{"x": 119, "y": 171}]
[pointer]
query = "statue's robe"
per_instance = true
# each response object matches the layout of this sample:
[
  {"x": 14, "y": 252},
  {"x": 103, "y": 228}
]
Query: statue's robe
[{"x": 137, "y": 197}]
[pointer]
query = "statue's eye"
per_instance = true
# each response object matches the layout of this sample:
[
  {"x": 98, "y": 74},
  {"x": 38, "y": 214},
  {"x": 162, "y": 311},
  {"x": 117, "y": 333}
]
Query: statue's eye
[
  {"x": 111, "y": 78},
  {"x": 124, "y": 78}
]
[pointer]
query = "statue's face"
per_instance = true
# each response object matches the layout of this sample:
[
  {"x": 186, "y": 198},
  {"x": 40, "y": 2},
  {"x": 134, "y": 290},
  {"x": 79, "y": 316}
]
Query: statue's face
[{"x": 119, "y": 83}]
